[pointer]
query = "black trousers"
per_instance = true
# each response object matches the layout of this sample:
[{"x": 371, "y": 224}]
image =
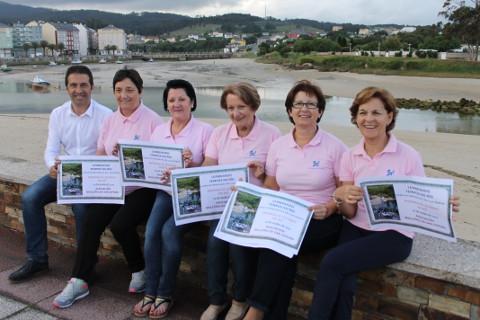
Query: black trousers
[
  {"x": 358, "y": 250},
  {"x": 276, "y": 273},
  {"x": 123, "y": 221}
]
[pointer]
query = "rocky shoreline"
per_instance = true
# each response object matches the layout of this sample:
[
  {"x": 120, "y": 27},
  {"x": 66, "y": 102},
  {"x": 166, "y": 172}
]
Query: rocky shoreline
[{"x": 462, "y": 107}]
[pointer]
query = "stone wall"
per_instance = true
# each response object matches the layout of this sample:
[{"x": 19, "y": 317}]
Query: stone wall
[{"x": 387, "y": 293}]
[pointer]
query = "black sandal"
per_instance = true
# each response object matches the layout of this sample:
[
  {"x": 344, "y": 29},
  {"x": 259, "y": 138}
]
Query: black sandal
[
  {"x": 147, "y": 301},
  {"x": 158, "y": 302}
]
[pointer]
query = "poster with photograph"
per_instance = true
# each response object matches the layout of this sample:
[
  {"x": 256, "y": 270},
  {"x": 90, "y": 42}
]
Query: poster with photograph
[
  {"x": 415, "y": 204},
  {"x": 143, "y": 163},
  {"x": 262, "y": 218},
  {"x": 201, "y": 193},
  {"x": 89, "y": 179}
]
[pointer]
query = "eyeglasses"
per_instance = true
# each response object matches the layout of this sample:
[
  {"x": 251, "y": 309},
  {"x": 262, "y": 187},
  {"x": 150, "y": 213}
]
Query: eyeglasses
[{"x": 308, "y": 105}]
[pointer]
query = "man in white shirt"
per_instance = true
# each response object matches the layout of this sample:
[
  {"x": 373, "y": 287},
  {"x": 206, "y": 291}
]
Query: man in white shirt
[{"x": 73, "y": 127}]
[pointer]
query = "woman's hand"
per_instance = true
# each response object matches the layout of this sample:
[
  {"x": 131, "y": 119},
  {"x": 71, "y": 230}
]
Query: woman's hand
[
  {"x": 258, "y": 169},
  {"x": 320, "y": 211},
  {"x": 350, "y": 194},
  {"x": 187, "y": 157},
  {"x": 115, "y": 150},
  {"x": 165, "y": 177},
  {"x": 455, "y": 202}
]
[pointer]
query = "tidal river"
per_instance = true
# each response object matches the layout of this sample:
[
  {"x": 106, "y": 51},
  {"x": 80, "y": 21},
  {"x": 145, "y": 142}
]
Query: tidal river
[{"x": 17, "y": 97}]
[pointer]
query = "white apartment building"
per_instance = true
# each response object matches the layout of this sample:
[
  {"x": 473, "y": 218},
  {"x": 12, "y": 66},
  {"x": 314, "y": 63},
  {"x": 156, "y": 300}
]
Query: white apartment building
[
  {"x": 6, "y": 41},
  {"x": 82, "y": 39},
  {"x": 112, "y": 36}
]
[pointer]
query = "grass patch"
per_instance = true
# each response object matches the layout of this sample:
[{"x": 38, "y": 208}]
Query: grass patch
[{"x": 380, "y": 65}]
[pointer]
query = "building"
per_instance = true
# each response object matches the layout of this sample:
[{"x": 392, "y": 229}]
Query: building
[
  {"x": 135, "y": 39},
  {"x": 112, "y": 36},
  {"x": 337, "y": 28},
  {"x": 92, "y": 41},
  {"x": 83, "y": 48},
  {"x": 22, "y": 34},
  {"x": 408, "y": 29},
  {"x": 363, "y": 32},
  {"x": 62, "y": 33},
  {"x": 6, "y": 41}
]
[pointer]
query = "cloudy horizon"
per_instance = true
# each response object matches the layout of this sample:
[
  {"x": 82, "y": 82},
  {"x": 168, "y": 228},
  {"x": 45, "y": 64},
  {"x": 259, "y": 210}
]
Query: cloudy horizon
[{"x": 407, "y": 12}]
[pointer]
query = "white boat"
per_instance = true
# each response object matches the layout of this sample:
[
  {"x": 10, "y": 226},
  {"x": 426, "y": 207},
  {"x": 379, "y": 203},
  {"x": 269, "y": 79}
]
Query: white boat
[
  {"x": 39, "y": 82},
  {"x": 76, "y": 61},
  {"x": 103, "y": 60},
  {"x": 52, "y": 63},
  {"x": 119, "y": 62},
  {"x": 5, "y": 68}
]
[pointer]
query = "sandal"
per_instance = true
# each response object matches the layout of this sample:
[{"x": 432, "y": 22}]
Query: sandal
[
  {"x": 142, "y": 308},
  {"x": 154, "y": 313}
]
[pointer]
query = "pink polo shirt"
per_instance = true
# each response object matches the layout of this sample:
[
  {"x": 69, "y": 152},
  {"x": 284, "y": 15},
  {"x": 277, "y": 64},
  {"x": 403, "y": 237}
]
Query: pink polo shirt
[
  {"x": 195, "y": 136},
  {"x": 397, "y": 159},
  {"x": 138, "y": 126},
  {"x": 309, "y": 172},
  {"x": 227, "y": 147}
]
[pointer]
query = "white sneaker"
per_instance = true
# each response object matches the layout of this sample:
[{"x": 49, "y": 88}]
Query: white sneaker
[
  {"x": 237, "y": 311},
  {"x": 137, "y": 284},
  {"x": 212, "y": 312},
  {"x": 76, "y": 289}
]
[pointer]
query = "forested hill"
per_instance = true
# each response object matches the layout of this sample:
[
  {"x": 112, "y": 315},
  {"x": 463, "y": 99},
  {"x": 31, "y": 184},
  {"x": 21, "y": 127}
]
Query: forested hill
[{"x": 155, "y": 23}]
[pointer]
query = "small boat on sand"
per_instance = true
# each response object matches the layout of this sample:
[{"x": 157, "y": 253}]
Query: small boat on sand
[
  {"x": 39, "y": 83},
  {"x": 5, "y": 68}
]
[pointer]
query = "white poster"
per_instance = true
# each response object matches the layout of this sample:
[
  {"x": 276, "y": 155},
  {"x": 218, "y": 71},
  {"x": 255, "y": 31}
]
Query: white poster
[
  {"x": 201, "y": 193},
  {"x": 416, "y": 204},
  {"x": 89, "y": 179},
  {"x": 259, "y": 217},
  {"x": 143, "y": 163}
]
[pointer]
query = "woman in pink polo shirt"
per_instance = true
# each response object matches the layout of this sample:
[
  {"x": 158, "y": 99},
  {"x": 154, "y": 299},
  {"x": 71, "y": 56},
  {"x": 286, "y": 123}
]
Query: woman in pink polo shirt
[
  {"x": 132, "y": 121},
  {"x": 379, "y": 153},
  {"x": 304, "y": 163},
  {"x": 244, "y": 140},
  {"x": 163, "y": 239}
]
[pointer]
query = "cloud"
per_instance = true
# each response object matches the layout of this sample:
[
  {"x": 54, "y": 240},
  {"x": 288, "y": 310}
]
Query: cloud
[{"x": 411, "y": 12}]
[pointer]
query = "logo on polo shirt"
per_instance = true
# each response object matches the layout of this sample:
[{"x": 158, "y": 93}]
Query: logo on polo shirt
[
  {"x": 136, "y": 137},
  {"x": 252, "y": 153},
  {"x": 390, "y": 172},
  {"x": 316, "y": 164}
]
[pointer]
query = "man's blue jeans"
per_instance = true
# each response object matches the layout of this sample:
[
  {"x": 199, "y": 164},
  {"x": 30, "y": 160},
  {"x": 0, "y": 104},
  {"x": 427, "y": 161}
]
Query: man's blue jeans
[
  {"x": 163, "y": 247},
  {"x": 40, "y": 193}
]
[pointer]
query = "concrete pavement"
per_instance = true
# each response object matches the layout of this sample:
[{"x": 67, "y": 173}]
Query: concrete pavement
[{"x": 108, "y": 297}]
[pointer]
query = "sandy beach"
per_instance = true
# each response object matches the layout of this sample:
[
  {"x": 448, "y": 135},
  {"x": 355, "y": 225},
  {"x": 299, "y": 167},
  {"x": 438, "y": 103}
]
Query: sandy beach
[{"x": 445, "y": 155}]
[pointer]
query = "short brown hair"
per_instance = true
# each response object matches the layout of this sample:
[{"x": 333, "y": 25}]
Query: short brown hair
[
  {"x": 244, "y": 91},
  {"x": 368, "y": 94},
  {"x": 311, "y": 90}
]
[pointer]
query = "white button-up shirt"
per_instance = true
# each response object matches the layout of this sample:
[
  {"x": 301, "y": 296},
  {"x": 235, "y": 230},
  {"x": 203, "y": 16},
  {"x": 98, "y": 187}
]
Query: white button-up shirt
[{"x": 77, "y": 135}]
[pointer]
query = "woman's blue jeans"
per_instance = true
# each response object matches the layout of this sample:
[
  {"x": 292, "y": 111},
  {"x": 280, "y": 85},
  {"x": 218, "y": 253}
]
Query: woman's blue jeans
[{"x": 163, "y": 247}]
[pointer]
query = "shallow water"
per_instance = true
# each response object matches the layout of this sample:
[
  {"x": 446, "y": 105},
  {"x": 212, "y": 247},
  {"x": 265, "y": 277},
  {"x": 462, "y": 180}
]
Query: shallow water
[{"x": 18, "y": 97}]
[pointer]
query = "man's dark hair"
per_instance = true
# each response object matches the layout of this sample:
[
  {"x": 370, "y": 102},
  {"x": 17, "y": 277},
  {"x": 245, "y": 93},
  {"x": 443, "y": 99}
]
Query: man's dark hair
[{"x": 81, "y": 70}]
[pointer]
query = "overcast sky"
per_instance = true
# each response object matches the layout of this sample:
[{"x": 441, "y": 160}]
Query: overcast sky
[{"x": 409, "y": 12}]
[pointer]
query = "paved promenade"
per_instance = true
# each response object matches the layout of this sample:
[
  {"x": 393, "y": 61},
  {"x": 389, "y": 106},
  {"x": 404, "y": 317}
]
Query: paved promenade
[{"x": 108, "y": 297}]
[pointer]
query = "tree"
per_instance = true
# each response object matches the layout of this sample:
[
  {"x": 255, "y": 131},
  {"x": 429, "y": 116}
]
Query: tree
[
  {"x": 26, "y": 46},
  {"x": 44, "y": 45},
  {"x": 113, "y": 48},
  {"x": 51, "y": 46},
  {"x": 35, "y": 46},
  {"x": 61, "y": 47},
  {"x": 464, "y": 23}
]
